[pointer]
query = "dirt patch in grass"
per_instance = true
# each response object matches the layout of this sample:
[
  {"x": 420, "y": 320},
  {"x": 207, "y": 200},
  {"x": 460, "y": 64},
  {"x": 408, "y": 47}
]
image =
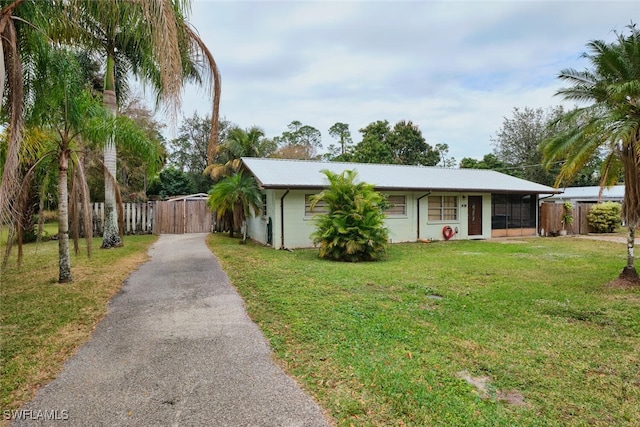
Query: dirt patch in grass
[
  {"x": 619, "y": 283},
  {"x": 486, "y": 390}
]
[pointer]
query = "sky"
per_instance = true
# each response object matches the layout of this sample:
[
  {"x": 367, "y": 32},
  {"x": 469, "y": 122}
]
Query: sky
[{"x": 456, "y": 69}]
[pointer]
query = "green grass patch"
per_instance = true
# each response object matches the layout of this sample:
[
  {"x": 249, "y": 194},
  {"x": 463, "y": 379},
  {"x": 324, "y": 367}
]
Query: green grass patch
[
  {"x": 390, "y": 342},
  {"x": 42, "y": 323},
  {"x": 49, "y": 230}
]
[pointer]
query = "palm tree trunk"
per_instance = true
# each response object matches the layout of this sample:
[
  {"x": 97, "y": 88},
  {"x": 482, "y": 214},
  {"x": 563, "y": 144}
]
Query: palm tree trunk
[
  {"x": 629, "y": 272},
  {"x": 64, "y": 257},
  {"x": 111, "y": 233},
  {"x": 631, "y": 207}
]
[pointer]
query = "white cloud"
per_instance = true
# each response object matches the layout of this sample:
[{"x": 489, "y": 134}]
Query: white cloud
[{"x": 454, "y": 68}]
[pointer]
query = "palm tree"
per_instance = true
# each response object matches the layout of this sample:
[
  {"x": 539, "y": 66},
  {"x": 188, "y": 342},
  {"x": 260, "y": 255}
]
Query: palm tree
[
  {"x": 239, "y": 143},
  {"x": 21, "y": 24},
  {"x": 69, "y": 116},
  {"x": 611, "y": 122},
  {"x": 152, "y": 40},
  {"x": 236, "y": 195}
]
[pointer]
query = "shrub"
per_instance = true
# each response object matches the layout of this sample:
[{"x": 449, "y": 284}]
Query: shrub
[
  {"x": 605, "y": 217},
  {"x": 353, "y": 228}
]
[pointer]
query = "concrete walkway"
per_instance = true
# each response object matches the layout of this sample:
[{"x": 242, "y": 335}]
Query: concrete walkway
[{"x": 175, "y": 349}]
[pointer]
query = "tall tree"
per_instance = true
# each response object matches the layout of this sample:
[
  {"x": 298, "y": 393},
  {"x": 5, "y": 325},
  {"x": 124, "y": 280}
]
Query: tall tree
[
  {"x": 443, "y": 152},
  {"x": 22, "y": 27},
  {"x": 152, "y": 40},
  {"x": 132, "y": 168},
  {"x": 188, "y": 152},
  {"x": 70, "y": 116},
  {"x": 299, "y": 142},
  {"x": 516, "y": 143},
  {"x": 340, "y": 131},
  {"x": 404, "y": 145},
  {"x": 610, "y": 122},
  {"x": 171, "y": 182},
  {"x": 409, "y": 146},
  {"x": 239, "y": 143},
  {"x": 374, "y": 147},
  {"x": 489, "y": 161}
]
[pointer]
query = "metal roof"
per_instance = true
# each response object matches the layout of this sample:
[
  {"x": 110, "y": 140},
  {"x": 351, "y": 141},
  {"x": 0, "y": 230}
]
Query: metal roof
[
  {"x": 197, "y": 196},
  {"x": 615, "y": 192},
  {"x": 283, "y": 173}
]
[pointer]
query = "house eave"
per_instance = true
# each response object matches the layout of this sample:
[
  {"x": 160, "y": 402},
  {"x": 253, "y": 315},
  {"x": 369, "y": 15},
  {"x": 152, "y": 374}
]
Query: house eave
[{"x": 432, "y": 189}]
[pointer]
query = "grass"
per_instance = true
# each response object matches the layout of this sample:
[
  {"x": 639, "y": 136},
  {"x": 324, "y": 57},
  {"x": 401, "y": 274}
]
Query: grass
[
  {"x": 49, "y": 229},
  {"x": 42, "y": 323},
  {"x": 390, "y": 343}
]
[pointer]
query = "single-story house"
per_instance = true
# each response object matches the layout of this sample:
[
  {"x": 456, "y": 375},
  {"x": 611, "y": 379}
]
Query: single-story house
[
  {"x": 427, "y": 203},
  {"x": 590, "y": 194}
]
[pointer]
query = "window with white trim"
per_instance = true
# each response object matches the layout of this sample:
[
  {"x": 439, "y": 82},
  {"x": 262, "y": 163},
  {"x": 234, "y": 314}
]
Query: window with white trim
[
  {"x": 264, "y": 205},
  {"x": 443, "y": 208},
  {"x": 319, "y": 209},
  {"x": 398, "y": 205}
]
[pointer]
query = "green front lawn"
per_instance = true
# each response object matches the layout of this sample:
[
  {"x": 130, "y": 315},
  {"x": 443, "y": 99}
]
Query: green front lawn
[{"x": 391, "y": 343}]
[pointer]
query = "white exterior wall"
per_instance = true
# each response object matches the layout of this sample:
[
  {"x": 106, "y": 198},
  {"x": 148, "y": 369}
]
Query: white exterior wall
[
  {"x": 297, "y": 227},
  {"x": 402, "y": 228},
  {"x": 432, "y": 230},
  {"x": 257, "y": 225}
]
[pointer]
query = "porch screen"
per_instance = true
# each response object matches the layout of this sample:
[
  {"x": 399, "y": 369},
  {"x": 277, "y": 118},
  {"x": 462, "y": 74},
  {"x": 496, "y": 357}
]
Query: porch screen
[{"x": 513, "y": 211}]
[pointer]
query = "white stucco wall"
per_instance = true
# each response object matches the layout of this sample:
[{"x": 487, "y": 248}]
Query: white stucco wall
[
  {"x": 402, "y": 228},
  {"x": 257, "y": 225},
  {"x": 432, "y": 230}
]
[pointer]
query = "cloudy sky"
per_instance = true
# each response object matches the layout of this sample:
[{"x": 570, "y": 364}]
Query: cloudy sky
[{"x": 454, "y": 68}]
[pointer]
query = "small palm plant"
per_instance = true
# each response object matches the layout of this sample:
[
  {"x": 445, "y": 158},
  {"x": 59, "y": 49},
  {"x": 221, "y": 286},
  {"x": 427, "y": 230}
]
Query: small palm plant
[
  {"x": 353, "y": 228},
  {"x": 236, "y": 195}
]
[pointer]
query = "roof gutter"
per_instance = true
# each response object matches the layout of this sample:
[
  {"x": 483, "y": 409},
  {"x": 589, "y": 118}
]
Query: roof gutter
[
  {"x": 282, "y": 219},
  {"x": 418, "y": 214}
]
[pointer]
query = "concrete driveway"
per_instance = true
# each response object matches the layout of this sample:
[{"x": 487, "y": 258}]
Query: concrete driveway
[{"x": 175, "y": 349}]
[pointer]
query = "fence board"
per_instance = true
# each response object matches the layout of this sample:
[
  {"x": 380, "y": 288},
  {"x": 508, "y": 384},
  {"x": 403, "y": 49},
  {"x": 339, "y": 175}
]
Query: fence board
[
  {"x": 138, "y": 218},
  {"x": 551, "y": 218},
  {"x": 183, "y": 216},
  {"x": 170, "y": 217}
]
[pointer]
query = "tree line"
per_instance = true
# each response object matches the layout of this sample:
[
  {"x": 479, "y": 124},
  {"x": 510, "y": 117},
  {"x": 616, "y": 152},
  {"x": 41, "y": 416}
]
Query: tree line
[{"x": 516, "y": 150}]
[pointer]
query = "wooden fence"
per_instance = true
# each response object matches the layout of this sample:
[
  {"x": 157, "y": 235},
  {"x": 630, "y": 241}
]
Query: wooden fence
[
  {"x": 160, "y": 217},
  {"x": 551, "y": 219},
  {"x": 138, "y": 218},
  {"x": 182, "y": 216}
]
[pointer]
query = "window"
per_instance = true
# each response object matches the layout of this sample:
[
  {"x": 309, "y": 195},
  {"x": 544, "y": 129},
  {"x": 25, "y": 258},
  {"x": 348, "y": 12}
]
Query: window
[
  {"x": 320, "y": 208},
  {"x": 264, "y": 206},
  {"x": 443, "y": 208},
  {"x": 398, "y": 205}
]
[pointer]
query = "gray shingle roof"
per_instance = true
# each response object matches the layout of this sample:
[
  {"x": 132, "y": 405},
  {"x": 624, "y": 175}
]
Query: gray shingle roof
[{"x": 282, "y": 173}]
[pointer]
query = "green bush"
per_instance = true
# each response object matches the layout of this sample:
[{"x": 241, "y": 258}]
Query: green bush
[
  {"x": 605, "y": 217},
  {"x": 353, "y": 228}
]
